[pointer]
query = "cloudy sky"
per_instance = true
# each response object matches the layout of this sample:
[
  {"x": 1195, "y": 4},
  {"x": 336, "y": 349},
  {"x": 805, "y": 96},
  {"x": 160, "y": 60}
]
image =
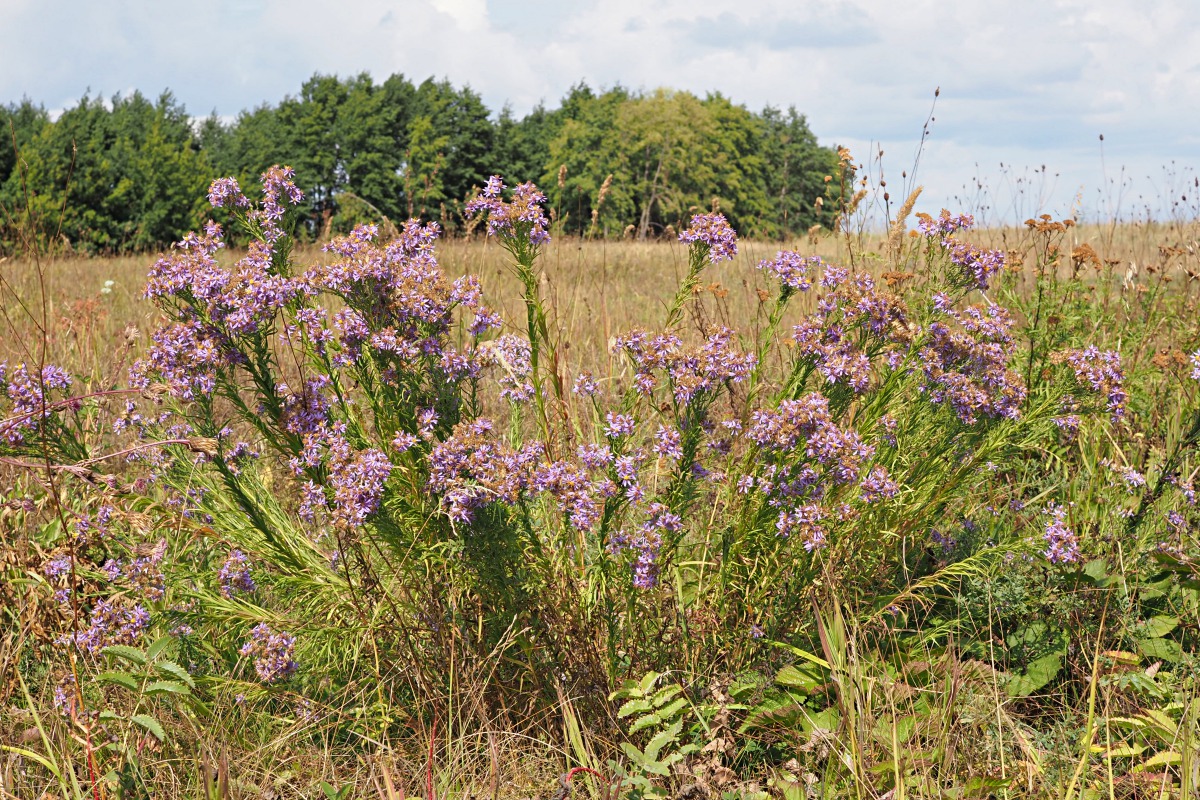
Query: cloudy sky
[{"x": 1027, "y": 86}]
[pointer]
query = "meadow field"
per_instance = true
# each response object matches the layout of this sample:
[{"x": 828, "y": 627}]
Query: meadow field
[{"x": 896, "y": 514}]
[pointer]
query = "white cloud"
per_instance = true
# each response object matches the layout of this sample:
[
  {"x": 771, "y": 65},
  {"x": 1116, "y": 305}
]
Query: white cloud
[{"x": 1025, "y": 82}]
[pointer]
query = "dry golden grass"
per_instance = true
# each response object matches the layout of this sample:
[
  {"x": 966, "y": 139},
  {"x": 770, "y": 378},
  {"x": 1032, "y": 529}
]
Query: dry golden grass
[{"x": 597, "y": 289}]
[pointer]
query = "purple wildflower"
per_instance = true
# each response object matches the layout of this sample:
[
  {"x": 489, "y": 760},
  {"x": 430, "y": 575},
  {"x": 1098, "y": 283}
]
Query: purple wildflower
[
  {"x": 713, "y": 233},
  {"x": 1100, "y": 371},
  {"x": 235, "y": 575},
  {"x": 522, "y": 217},
  {"x": 1062, "y": 546},
  {"x": 793, "y": 270},
  {"x": 273, "y": 653}
]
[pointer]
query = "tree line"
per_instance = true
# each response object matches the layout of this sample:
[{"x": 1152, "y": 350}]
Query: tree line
[{"x": 124, "y": 175}]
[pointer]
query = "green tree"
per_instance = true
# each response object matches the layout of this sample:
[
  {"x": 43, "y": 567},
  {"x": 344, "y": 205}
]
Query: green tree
[
  {"x": 795, "y": 166},
  {"x": 115, "y": 177}
]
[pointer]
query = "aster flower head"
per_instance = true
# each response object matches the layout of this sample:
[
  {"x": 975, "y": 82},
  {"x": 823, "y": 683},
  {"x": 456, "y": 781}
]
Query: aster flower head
[
  {"x": 235, "y": 575},
  {"x": 793, "y": 270},
  {"x": 521, "y": 218},
  {"x": 944, "y": 225},
  {"x": 1062, "y": 546},
  {"x": 273, "y": 653},
  {"x": 713, "y": 232},
  {"x": 1100, "y": 371}
]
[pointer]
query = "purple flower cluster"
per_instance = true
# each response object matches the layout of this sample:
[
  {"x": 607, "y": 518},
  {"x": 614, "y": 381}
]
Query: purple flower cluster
[
  {"x": 29, "y": 407},
  {"x": 522, "y": 217},
  {"x": 878, "y": 485},
  {"x": 713, "y": 232},
  {"x": 574, "y": 491},
  {"x": 803, "y": 523},
  {"x": 273, "y": 653},
  {"x": 647, "y": 543},
  {"x": 111, "y": 622},
  {"x": 470, "y": 470},
  {"x": 235, "y": 575},
  {"x": 944, "y": 225},
  {"x": 1062, "y": 546},
  {"x": 1100, "y": 371},
  {"x": 512, "y": 354},
  {"x": 690, "y": 372},
  {"x": 967, "y": 368},
  {"x": 357, "y": 478},
  {"x": 793, "y": 270},
  {"x": 852, "y": 318},
  {"x": 805, "y": 425},
  {"x": 977, "y": 267}
]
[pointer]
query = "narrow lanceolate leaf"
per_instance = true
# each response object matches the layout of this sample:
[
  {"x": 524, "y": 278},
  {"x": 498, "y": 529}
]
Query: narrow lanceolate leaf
[
  {"x": 159, "y": 645},
  {"x": 126, "y": 653},
  {"x": 170, "y": 669},
  {"x": 120, "y": 679},
  {"x": 151, "y": 724},
  {"x": 168, "y": 687}
]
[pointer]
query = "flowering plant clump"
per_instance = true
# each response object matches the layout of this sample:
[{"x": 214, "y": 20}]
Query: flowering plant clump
[{"x": 357, "y": 460}]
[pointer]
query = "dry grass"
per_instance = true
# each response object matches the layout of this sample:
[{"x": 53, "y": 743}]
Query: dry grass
[{"x": 597, "y": 288}]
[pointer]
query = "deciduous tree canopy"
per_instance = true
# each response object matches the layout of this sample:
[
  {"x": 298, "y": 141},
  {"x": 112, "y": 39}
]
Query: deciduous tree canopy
[{"x": 123, "y": 174}]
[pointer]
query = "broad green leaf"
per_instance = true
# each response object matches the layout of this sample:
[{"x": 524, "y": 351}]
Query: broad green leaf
[
  {"x": 1120, "y": 751},
  {"x": 1158, "y": 627},
  {"x": 123, "y": 679},
  {"x": 126, "y": 653},
  {"x": 634, "y": 706},
  {"x": 173, "y": 670},
  {"x": 1165, "y": 649},
  {"x": 797, "y": 678},
  {"x": 1037, "y": 675},
  {"x": 150, "y": 724},
  {"x": 168, "y": 687},
  {"x": 633, "y": 753},
  {"x": 1165, "y": 759},
  {"x": 648, "y": 681},
  {"x": 109, "y": 716},
  {"x": 807, "y": 656},
  {"x": 671, "y": 711}
]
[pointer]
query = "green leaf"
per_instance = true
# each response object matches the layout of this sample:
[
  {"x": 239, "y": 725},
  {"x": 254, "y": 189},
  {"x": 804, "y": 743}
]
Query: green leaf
[
  {"x": 126, "y": 653},
  {"x": 160, "y": 644},
  {"x": 642, "y": 723},
  {"x": 633, "y": 753},
  {"x": 648, "y": 681},
  {"x": 1165, "y": 759},
  {"x": 150, "y": 724},
  {"x": 666, "y": 693},
  {"x": 662, "y": 739},
  {"x": 168, "y": 687},
  {"x": 172, "y": 670},
  {"x": 807, "y": 656},
  {"x": 1164, "y": 649},
  {"x": 1158, "y": 627},
  {"x": 123, "y": 679},
  {"x": 1037, "y": 675},
  {"x": 635, "y": 706},
  {"x": 798, "y": 678},
  {"x": 109, "y": 716},
  {"x": 671, "y": 711}
]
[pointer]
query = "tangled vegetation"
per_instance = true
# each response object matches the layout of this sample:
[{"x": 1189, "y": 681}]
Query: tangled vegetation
[{"x": 925, "y": 526}]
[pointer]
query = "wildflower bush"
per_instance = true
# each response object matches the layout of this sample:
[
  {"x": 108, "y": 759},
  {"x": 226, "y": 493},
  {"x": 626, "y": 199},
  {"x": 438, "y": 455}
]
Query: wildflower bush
[{"x": 340, "y": 492}]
